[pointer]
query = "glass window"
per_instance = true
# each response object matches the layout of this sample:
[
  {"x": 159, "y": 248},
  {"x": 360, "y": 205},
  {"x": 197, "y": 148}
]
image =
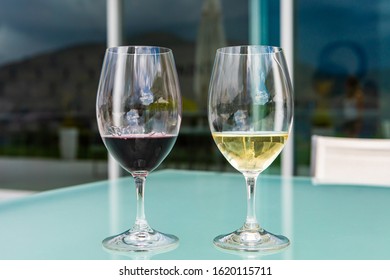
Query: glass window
[
  {"x": 50, "y": 62},
  {"x": 341, "y": 69}
]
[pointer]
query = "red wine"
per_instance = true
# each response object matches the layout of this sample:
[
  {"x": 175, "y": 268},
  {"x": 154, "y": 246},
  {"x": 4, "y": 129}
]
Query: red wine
[{"x": 139, "y": 152}]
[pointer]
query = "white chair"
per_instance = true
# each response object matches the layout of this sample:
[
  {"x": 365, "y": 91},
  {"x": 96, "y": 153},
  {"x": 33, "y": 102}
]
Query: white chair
[
  {"x": 8, "y": 194},
  {"x": 336, "y": 160}
]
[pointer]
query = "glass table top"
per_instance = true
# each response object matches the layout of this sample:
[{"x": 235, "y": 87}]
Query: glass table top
[{"x": 322, "y": 222}]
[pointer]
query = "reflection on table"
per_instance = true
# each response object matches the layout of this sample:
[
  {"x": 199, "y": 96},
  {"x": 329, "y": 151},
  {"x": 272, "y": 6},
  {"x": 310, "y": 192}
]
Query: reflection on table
[{"x": 322, "y": 222}]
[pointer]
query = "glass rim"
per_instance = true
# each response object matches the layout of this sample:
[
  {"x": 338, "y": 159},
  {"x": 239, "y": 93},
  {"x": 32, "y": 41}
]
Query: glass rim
[
  {"x": 133, "y": 50},
  {"x": 250, "y": 50}
]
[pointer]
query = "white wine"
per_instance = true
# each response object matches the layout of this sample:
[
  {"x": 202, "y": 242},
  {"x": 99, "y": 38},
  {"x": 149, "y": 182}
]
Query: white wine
[{"x": 250, "y": 151}]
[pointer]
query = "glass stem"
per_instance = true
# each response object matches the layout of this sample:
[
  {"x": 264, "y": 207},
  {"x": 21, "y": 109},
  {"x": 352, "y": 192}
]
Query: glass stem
[
  {"x": 140, "y": 219},
  {"x": 251, "y": 221}
]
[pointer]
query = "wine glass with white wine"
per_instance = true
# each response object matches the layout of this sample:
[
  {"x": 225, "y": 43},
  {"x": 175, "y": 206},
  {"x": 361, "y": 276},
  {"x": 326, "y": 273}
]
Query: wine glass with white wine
[{"x": 250, "y": 114}]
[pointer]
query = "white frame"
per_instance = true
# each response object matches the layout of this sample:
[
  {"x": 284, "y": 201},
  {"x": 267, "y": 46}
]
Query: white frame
[{"x": 114, "y": 38}]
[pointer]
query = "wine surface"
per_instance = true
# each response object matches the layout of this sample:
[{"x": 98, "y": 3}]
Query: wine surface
[
  {"x": 139, "y": 152},
  {"x": 250, "y": 151}
]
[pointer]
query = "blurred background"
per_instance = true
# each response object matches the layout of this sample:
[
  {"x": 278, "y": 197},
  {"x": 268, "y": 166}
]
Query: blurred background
[{"x": 51, "y": 53}]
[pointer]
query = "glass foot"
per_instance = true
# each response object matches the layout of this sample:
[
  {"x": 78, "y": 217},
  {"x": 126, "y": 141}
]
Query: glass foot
[
  {"x": 252, "y": 240},
  {"x": 140, "y": 240}
]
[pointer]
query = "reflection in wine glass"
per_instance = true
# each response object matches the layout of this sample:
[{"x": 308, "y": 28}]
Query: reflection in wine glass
[
  {"x": 250, "y": 114},
  {"x": 139, "y": 114}
]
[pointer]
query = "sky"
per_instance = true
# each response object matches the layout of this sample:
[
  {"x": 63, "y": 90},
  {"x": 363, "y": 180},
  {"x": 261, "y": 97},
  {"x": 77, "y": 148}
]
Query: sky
[{"x": 27, "y": 27}]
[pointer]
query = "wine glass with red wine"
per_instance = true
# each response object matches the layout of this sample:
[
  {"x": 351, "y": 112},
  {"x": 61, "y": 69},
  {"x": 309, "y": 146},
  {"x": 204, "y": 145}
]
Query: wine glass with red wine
[{"x": 138, "y": 112}]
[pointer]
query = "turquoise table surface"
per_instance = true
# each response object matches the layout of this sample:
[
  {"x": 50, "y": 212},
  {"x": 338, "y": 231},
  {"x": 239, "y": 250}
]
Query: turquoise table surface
[{"x": 322, "y": 222}]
